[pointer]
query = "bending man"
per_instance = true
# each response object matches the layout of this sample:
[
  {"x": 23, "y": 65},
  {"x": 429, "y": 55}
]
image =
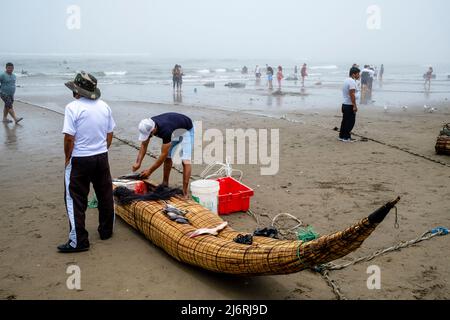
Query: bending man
[{"x": 174, "y": 129}]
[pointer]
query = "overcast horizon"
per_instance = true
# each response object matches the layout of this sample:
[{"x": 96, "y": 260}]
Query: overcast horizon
[{"x": 323, "y": 30}]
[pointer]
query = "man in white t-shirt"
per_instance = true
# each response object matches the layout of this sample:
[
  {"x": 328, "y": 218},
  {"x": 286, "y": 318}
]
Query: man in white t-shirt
[
  {"x": 88, "y": 131},
  {"x": 349, "y": 107}
]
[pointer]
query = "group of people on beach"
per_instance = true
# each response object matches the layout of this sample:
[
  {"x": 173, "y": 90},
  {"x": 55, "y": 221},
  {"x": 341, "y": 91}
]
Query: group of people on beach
[
  {"x": 270, "y": 74},
  {"x": 369, "y": 74}
]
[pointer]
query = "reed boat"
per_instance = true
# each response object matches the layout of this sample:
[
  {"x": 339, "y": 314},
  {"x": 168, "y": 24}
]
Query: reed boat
[{"x": 265, "y": 256}]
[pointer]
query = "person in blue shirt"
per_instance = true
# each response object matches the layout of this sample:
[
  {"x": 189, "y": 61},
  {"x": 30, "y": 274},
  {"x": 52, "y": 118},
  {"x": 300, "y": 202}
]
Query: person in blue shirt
[{"x": 7, "y": 91}]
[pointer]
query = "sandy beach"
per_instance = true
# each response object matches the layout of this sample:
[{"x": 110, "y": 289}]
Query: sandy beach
[{"x": 325, "y": 183}]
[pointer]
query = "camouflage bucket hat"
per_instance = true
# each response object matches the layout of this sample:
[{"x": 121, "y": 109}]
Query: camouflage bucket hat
[{"x": 85, "y": 85}]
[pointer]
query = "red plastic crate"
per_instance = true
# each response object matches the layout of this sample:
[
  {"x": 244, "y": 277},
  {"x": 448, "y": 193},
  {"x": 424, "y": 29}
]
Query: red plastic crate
[{"x": 233, "y": 196}]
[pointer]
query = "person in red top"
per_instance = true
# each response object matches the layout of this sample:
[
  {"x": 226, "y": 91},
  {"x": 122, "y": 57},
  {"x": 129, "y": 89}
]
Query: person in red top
[
  {"x": 304, "y": 74},
  {"x": 279, "y": 76}
]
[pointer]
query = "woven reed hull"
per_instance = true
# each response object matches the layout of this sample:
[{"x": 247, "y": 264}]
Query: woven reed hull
[
  {"x": 221, "y": 254},
  {"x": 443, "y": 145}
]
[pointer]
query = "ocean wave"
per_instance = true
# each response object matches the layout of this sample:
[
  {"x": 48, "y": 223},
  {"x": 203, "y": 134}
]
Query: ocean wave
[
  {"x": 220, "y": 70},
  {"x": 109, "y": 73},
  {"x": 45, "y": 74},
  {"x": 191, "y": 77},
  {"x": 204, "y": 71},
  {"x": 328, "y": 67},
  {"x": 115, "y": 73}
]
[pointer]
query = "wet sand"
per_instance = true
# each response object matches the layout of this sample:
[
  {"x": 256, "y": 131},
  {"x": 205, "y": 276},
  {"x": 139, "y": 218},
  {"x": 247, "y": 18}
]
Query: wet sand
[{"x": 325, "y": 183}]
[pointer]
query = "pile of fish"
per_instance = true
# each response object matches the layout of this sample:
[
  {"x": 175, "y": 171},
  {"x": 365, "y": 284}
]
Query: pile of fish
[{"x": 175, "y": 214}]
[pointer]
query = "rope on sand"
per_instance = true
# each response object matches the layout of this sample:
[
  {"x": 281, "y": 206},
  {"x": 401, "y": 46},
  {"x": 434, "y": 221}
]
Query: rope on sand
[
  {"x": 325, "y": 269},
  {"x": 441, "y": 231},
  {"x": 404, "y": 150},
  {"x": 334, "y": 286}
]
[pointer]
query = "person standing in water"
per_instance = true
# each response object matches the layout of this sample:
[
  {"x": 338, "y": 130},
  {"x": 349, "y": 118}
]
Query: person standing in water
[
  {"x": 304, "y": 74},
  {"x": 257, "y": 72},
  {"x": 269, "y": 72},
  {"x": 380, "y": 75},
  {"x": 349, "y": 107},
  {"x": 428, "y": 76},
  {"x": 175, "y": 76},
  {"x": 7, "y": 91},
  {"x": 366, "y": 78},
  {"x": 279, "y": 76},
  {"x": 180, "y": 75}
]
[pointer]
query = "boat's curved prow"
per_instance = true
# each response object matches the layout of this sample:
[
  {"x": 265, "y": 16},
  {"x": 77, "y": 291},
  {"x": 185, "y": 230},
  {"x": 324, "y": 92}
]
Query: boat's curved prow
[
  {"x": 379, "y": 215},
  {"x": 337, "y": 245}
]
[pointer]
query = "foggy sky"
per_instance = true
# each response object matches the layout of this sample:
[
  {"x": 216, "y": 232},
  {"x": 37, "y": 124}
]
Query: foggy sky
[{"x": 412, "y": 31}]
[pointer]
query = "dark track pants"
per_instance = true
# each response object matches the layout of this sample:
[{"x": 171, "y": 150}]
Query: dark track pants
[
  {"x": 348, "y": 121},
  {"x": 80, "y": 172}
]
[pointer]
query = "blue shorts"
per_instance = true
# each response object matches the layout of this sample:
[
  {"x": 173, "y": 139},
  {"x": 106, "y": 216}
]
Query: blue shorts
[
  {"x": 269, "y": 77},
  {"x": 186, "y": 141}
]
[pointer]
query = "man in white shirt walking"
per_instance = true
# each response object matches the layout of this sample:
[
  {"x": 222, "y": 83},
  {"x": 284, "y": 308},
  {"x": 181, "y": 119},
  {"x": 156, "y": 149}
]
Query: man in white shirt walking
[
  {"x": 88, "y": 131},
  {"x": 349, "y": 107}
]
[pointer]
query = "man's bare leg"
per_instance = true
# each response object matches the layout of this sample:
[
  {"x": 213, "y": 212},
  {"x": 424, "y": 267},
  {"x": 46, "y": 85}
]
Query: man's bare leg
[
  {"x": 5, "y": 114},
  {"x": 167, "y": 168},
  {"x": 13, "y": 114},
  {"x": 187, "y": 170}
]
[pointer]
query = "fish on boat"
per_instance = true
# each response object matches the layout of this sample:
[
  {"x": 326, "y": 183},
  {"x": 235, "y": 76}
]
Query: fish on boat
[
  {"x": 219, "y": 253},
  {"x": 175, "y": 214},
  {"x": 213, "y": 231}
]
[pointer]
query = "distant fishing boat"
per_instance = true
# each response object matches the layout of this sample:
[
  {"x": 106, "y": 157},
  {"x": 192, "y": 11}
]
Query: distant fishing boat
[{"x": 265, "y": 256}]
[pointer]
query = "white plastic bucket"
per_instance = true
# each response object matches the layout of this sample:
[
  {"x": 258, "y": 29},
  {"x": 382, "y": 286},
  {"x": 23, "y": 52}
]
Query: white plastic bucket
[{"x": 206, "y": 193}]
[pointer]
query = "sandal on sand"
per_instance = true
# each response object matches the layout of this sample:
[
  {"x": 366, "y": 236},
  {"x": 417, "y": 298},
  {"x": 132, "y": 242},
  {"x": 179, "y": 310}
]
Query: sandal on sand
[
  {"x": 18, "y": 120},
  {"x": 7, "y": 121}
]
